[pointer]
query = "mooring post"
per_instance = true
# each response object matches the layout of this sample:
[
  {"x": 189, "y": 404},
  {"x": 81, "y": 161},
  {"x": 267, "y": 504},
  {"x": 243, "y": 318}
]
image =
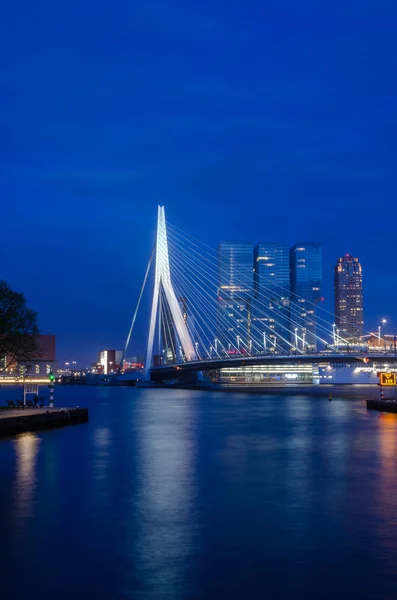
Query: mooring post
[{"x": 51, "y": 386}]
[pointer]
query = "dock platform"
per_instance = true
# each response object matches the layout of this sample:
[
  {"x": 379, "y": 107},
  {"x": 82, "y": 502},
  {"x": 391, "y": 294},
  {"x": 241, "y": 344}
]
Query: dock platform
[
  {"x": 382, "y": 405},
  {"x": 13, "y": 421}
]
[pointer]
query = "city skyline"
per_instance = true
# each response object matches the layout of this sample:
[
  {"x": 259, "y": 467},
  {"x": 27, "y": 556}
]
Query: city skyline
[
  {"x": 270, "y": 272},
  {"x": 279, "y": 293},
  {"x": 261, "y": 288},
  {"x": 267, "y": 298},
  {"x": 245, "y": 255}
]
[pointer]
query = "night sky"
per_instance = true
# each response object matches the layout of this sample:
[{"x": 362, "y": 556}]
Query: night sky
[{"x": 256, "y": 120}]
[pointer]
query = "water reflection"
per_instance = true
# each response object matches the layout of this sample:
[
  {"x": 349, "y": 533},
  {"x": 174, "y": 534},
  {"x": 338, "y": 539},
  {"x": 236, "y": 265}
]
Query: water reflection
[
  {"x": 26, "y": 448},
  {"x": 387, "y": 476},
  {"x": 102, "y": 441},
  {"x": 384, "y": 489},
  {"x": 388, "y": 443},
  {"x": 101, "y": 464},
  {"x": 165, "y": 500},
  {"x": 163, "y": 495}
]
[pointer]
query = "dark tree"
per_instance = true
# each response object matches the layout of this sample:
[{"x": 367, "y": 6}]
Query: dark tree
[{"x": 18, "y": 328}]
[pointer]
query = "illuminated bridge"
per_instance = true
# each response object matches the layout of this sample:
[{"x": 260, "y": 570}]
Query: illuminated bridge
[{"x": 209, "y": 313}]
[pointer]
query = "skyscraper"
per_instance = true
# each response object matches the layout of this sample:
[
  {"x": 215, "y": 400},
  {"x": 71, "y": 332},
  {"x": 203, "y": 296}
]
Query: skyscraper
[
  {"x": 235, "y": 292},
  {"x": 348, "y": 286},
  {"x": 272, "y": 293},
  {"x": 306, "y": 280}
]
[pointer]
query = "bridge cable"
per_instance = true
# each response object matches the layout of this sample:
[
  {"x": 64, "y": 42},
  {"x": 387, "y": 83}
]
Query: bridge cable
[
  {"x": 213, "y": 299},
  {"x": 292, "y": 308},
  {"x": 287, "y": 290},
  {"x": 137, "y": 308},
  {"x": 240, "y": 299}
]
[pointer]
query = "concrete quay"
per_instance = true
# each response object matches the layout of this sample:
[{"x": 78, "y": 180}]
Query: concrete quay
[
  {"x": 382, "y": 405},
  {"x": 14, "y": 421}
]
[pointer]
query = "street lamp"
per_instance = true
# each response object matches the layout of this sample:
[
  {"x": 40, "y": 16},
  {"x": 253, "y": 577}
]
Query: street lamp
[
  {"x": 333, "y": 333},
  {"x": 296, "y": 338},
  {"x": 264, "y": 340},
  {"x": 238, "y": 343}
]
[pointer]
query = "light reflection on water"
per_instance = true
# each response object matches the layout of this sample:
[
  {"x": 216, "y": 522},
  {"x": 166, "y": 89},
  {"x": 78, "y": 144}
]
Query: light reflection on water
[
  {"x": 178, "y": 494},
  {"x": 386, "y": 494},
  {"x": 26, "y": 450},
  {"x": 163, "y": 539},
  {"x": 102, "y": 441},
  {"x": 26, "y": 447}
]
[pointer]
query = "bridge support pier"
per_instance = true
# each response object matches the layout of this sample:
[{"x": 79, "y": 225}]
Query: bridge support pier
[{"x": 180, "y": 376}]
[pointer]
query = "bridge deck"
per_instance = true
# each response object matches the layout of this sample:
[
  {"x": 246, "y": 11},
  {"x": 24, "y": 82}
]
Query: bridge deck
[{"x": 175, "y": 371}]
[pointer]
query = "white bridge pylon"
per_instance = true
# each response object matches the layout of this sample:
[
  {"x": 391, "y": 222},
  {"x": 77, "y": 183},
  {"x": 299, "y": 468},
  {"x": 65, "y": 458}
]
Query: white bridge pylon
[{"x": 162, "y": 279}]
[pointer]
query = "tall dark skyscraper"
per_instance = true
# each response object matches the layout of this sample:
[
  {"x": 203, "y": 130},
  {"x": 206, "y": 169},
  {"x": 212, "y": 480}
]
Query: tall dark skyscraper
[
  {"x": 272, "y": 293},
  {"x": 235, "y": 293},
  {"x": 348, "y": 286},
  {"x": 306, "y": 281}
]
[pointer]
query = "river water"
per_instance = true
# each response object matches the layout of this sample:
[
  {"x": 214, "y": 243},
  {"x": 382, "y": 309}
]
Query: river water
[{"x": 200, "y": 495}]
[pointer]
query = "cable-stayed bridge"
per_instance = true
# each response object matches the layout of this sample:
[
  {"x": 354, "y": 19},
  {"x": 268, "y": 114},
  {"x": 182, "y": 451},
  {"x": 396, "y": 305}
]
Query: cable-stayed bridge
[{"x": 211, "y": 312}]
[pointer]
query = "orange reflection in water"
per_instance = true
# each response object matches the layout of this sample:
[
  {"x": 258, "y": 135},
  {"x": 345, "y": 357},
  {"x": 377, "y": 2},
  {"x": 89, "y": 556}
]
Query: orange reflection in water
[
  {"x": 387, "y": 492},
  {"x": 26, "y": 447},
  {"x": 388, "y": 439}
]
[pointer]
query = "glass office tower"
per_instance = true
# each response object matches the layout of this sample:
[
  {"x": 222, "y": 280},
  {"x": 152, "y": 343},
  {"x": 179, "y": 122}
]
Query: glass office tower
[
  {"x": 272, "y": 295},
  {"x": 306, "y": 281},
  {"x": 348, "y": 287},
  {"x": 235, "y": 293}
]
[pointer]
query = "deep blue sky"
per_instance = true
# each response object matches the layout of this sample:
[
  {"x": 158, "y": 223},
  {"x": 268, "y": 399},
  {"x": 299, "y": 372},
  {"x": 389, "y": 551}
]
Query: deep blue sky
[{"x": 249, "y": 120}]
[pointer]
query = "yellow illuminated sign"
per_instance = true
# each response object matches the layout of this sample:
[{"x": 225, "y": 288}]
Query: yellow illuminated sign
[{"x": 387, "y": 379}]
